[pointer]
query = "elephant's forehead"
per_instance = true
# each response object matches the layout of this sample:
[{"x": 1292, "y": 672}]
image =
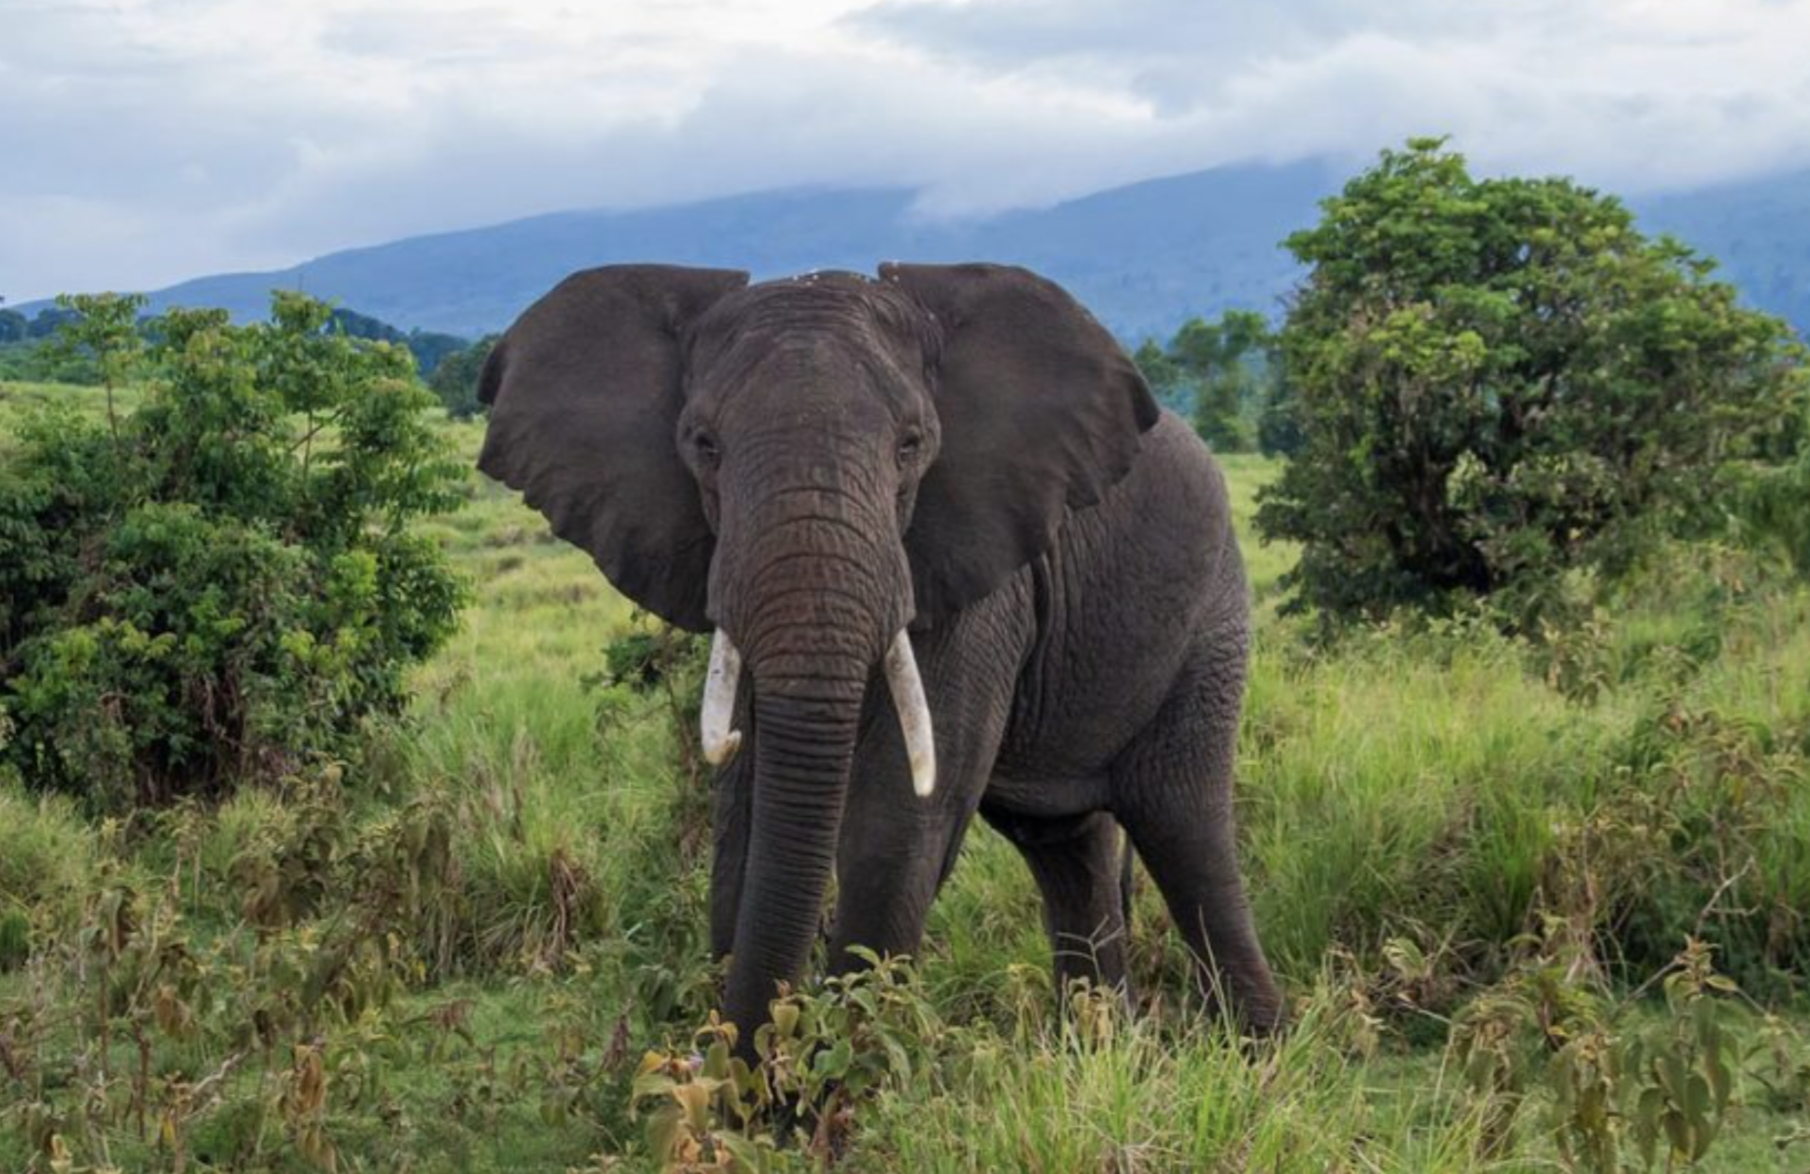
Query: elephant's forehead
[
  {"x": 838, "y": 325},
  {"x": 830, "y": 298}
]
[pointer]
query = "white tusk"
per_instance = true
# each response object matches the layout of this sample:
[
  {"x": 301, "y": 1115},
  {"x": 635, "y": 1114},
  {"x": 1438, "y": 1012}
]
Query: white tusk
[
  {"x": 720, "y": 680},
  {"x": 914, "y": 713}
]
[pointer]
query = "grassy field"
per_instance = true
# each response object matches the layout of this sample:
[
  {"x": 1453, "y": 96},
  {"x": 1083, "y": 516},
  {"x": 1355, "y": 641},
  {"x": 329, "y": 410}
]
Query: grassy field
[{"x": 1473, "y": 859}]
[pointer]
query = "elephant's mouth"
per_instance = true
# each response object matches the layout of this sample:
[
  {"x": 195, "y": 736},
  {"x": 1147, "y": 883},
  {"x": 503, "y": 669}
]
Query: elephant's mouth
[{"x": 721, "y": 741}]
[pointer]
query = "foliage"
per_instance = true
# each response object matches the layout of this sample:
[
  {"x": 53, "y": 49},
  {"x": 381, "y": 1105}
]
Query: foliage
[
  {"x": 1163, "y": 375},
  {"x": 508, "y": 911},
  {"x": 1639, "y": 782},
  {"x": 1278, "y": 421},
  {"x": 1664, "y": 1089},
  {"x": 13, "y": 325},
  {"x": 663, "y": 954},
  {"x": 455, "y": 380},
  {"x": 1224, "y": 358},
  {"x": 105, "y": 335},
  {"x": 38, "y": 361},
  {"x": 221, "y": 584},
  {"x": 38, "y": 349},
  {"x": 1216, "y": 373},
  {"x": 1772, "y": 505},
  {"x": 137, "y": 1019},
  {"x": 1498, "y": 381},
  {"x": 47, "y": 321},
  {"x": 104, "y": 329},
  {"x": 430, "y": 348},
  {"x": 65, "y": 342},
  {"x": 825, "y": 1053}
]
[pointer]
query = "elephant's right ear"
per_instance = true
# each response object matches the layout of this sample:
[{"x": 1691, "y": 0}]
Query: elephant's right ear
[{"x": 584, "y": 393}]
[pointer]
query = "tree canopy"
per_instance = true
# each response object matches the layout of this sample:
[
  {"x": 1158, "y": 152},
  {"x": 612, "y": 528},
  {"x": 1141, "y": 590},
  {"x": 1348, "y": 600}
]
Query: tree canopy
[
  {"x": 1217, "y": 373},
  {"x": 224, "y": 581},
  {"x": 1495, "y": 380}
]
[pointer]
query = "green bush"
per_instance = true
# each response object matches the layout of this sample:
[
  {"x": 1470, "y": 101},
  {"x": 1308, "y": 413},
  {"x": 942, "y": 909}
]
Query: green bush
[
  {"x": 1497, "y": 381},
  {"x": 1773, "y": 504},
  {"x": 220, "y": 584}
]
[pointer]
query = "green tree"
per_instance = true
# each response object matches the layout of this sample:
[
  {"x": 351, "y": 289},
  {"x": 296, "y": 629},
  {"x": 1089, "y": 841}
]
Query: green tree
[
  {"x": 455, "y": 380},
  {"x": 1279, "y": 431},
  {"x": 1497, "y": 380},
  {"x": 1773, "y": 502},
  {"x": 222, "y": 583},
  {"x": 103, "y": 333},
  {"x": 1167, "y": 382},
  {"x": 48, "y": 321},
  {"x": 1217, "y": 373},
  {"x": 428, "y": 347},
  {"x": 1223, "y": 359}
]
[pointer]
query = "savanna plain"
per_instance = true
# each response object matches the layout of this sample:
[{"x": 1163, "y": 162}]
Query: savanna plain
[{"x": 1539, "y": 904}]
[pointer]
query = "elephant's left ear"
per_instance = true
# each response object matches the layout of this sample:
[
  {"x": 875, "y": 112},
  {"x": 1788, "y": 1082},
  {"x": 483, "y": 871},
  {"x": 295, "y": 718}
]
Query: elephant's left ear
[{"x": 1041, "y": 412}]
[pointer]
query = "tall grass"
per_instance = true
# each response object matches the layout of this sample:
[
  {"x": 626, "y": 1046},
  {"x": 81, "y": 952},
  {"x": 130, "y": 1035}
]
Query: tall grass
[{"x": 1422, "y": 807}]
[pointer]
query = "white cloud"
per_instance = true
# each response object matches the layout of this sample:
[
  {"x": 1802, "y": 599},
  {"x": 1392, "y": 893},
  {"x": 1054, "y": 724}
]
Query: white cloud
[{"x": 150, "y": 140}]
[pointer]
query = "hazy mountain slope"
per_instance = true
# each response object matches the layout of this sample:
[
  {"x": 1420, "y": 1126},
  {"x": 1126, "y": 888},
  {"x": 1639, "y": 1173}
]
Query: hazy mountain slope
[
  {"x": 478, "y": 280},
  {"x": 1144, "y": 257},
  {"x": 1759, "y": 230}
]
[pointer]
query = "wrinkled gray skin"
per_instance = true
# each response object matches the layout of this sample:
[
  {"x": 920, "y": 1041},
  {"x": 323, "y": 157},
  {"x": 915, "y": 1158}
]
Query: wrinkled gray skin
[{"x": 813, "y": 464}]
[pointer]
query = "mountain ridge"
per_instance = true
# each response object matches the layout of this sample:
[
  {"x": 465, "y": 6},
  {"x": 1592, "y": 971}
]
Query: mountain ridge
[{"x": 1144, "y": 257}]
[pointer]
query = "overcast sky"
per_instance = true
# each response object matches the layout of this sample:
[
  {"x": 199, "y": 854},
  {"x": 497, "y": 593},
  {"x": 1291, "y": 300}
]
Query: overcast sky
[{"x": 145, "y": 141}]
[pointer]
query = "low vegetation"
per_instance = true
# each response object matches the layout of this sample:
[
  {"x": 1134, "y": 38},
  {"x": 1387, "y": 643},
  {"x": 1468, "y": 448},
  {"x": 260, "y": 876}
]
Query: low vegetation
[
  {"x": 204, "y": 589},
  {"x": 302, "y": 869},
  {"x": 54, "y": 344},
  {"x": 1516, "y": 888}
]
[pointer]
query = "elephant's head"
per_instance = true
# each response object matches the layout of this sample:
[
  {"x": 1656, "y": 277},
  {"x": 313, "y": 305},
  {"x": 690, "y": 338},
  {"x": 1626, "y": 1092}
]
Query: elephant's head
[{"x": 806, "y": 467}]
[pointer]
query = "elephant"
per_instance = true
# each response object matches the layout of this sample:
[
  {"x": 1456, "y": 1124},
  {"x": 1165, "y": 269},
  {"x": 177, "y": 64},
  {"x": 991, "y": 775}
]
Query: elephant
[{"x": 955, "y": 559}]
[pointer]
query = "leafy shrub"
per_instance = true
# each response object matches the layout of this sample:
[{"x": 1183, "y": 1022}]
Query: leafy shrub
[
  {"x": 827, "y": 1051},
  {"x": 222, "y": 583},
  {"x": 1497, "y": 381},
  {"x": 1773, "y": 506},
  {"x": 1614, "y": 1093}
]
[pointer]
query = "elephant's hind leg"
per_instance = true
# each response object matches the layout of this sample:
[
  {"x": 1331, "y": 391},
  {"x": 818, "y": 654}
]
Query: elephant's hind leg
[
  {"x": 1172, "y": 790},
  {"x": 1077, "y": 863}
]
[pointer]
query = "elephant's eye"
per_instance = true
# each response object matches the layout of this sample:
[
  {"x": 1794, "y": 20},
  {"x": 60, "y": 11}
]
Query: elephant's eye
[
  {"x": 708, "y": 452},
  {"x": 911, "y": 446}
]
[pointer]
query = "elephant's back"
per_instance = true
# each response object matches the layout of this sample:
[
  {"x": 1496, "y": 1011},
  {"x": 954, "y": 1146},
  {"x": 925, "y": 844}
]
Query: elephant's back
[{"x": 1131, "y": 588}]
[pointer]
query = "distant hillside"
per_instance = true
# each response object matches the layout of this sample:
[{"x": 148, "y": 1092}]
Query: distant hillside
[{"x": 1144, "y": 257}]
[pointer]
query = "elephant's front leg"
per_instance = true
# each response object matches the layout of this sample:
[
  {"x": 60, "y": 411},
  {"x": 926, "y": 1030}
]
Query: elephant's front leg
[{"x": 897, "y": 848}]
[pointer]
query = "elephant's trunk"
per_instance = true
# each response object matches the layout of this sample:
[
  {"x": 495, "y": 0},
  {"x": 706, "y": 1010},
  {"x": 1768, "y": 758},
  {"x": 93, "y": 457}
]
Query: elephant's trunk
[
  {"x": 806, "y": 730},
  {"x": 810, "y": 582}
]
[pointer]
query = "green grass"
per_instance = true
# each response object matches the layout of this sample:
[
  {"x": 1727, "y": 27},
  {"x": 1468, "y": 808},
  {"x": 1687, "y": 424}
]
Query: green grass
[{"x": 1408, "y": 799}]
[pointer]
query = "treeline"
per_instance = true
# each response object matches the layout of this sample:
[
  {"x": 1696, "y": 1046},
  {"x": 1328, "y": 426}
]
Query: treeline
[
  {"x": 1227, "y": 377},
  {"x": 43, "y": 348}
]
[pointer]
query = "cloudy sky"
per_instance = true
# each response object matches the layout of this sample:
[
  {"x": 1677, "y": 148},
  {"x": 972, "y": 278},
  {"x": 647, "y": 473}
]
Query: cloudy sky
[{"x": 146, "y": 141}]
